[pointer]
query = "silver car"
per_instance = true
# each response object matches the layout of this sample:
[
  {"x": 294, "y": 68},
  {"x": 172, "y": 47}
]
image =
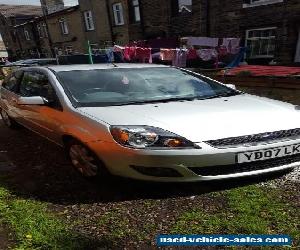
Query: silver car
[{"x": 152, "y": 122}]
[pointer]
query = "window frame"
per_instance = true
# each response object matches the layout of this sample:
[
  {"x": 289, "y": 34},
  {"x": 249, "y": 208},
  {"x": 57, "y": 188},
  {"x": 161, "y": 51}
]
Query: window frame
[
  {"x": 260, "y": 38},
  {"x": 26, "y": 35},
  {"x": 40, "y": 31},
  {"x": 136, "y": 11},
  {"x": 44, "y": 30},
  {"x": 121, "y": 13},
  {"x": 89, "y": 20},
  {"x": 64, "y": 26},
  {"x": 255, "y": 3}
]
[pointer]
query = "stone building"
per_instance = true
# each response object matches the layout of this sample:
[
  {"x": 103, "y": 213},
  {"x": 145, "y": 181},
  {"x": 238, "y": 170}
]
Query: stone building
[
  {"x": 67, "y": 31},
  {"x": 114, "y": 21},
  {"x": 269, "y": 28},
  {"x": 97, "y": 23},
  {"x": 33, "y": 39},
  {"x": 10, "y": 16}
]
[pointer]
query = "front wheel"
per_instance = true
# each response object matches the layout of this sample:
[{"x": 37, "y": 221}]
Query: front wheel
[
  {"x": 8, "y": 122},
  {"x": 85, "y": 161}
]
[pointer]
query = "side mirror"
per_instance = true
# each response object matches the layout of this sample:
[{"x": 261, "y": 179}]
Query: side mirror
[
  {"x": 232, "y": 86},
  {"x": 33, "y": 100}
]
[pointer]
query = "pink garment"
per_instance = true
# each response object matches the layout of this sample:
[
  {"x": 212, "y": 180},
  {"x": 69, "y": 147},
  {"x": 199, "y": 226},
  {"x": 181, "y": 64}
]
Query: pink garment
[
  {"x": 143, "y": 55},
  {"x": 167, "y": 54},
  {"x": 207, "y": 54},
  {"x": 222, "y": 51},
  {"x": 203, "y": 41},
  {"x": 232, "y": 45},
  {"x": 192, "y": 54},
  {"x": 129, "y": 53},
  {"x": 180, "y": 58}
]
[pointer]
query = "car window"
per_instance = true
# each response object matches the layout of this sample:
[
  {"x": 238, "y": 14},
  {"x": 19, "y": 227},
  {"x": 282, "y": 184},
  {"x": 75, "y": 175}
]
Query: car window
[
  {"x": 11, "y": 82},
  {"x": 36, "y": 84}
]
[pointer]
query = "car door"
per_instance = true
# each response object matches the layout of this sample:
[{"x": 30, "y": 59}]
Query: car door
[
  {"x": 43, "y": 119},
  {"x": 9, "y": 95}
]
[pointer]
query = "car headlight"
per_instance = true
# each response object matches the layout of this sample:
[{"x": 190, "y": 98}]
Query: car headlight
[{"x": 149, "y": 137}]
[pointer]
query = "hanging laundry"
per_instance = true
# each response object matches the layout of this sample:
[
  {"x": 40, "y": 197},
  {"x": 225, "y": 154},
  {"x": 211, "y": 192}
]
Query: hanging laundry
[
  {"x": 118, "y": 48},
  {"x": 180, "y": 58},
  {"x": 110, "y": 55},
  {"x": 232, "y": 45},
  {"x": 192, "y": 54},
  {"x": 167, "y": 54},
  {"x": 222, "y": 51},
  {"x": 143, "y": 55},
  {"x": 203, "y": 41},
  {"x": 207, "y": 54},
  {"x": 129, "y": 53}
]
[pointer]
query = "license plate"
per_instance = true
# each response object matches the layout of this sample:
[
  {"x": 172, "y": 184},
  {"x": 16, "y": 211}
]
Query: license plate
[{"x": 267, "y": 154}]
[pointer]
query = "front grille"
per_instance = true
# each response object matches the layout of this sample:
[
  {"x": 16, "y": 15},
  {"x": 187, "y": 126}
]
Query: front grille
[
  {"x": 245, "y": 167},
  {"x": 250, "y": 140}
]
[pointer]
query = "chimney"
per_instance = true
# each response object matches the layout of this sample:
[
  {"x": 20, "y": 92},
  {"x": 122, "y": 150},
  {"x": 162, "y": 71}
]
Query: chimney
[{"x": 51, "y": 6}]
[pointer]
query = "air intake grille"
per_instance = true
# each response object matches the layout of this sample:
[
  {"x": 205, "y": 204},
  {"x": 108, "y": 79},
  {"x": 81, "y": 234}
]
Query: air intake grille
[
  {"x": 245, "y": 167},
  {"x": 250, "y": 140}
]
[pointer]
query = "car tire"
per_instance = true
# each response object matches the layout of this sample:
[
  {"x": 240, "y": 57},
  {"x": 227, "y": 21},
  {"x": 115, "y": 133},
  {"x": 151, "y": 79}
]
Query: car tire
[
  {"x": 85, "y": 161},
  {"x": 8, "y": 121}
]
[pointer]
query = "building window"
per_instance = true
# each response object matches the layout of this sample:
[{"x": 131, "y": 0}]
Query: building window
[
  {"x": 136, "y": 15},
  {"x": 26, "y": 34},
  {"x": 185, "y": 6},
  {"x": 89, "y": 22},
  {"x": 40, "y": 31},
  {"x": 181, "y": 7},
  {"x": 261, "y": 42},
  {"x": 69, "y": 50},
  {"x": 44, "y": 30},
  {"x": 64, "y": 26},
  {"x": 253, "y": 3},
  {"x": 118, "y": 14}
]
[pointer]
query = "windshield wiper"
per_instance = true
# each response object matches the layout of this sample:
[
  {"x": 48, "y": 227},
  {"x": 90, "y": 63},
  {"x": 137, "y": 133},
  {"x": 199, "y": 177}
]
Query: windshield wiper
[
  {"x": 175, "y": 99},
  {"x": 226, "y": 94}
]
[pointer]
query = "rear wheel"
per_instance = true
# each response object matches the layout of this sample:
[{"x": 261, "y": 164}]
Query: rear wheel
[
  {"x": 85, "y": 161},
  {"x": 8, "y": 122}
]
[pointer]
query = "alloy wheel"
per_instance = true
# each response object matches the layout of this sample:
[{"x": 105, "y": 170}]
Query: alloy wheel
[{"x": 83, "y": 160}]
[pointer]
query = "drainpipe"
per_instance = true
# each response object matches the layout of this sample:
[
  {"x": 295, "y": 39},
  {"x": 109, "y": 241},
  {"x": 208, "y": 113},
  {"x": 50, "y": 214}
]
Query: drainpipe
[
  {"x": 208, "y": 18},
  {"x": 48, "y": 32},
  {"x": 142, "y": 18},
  {"x": 109, "y": 21}
]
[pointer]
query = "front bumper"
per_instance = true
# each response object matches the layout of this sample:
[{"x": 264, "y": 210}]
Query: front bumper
[{"x": 188, "y": 163}]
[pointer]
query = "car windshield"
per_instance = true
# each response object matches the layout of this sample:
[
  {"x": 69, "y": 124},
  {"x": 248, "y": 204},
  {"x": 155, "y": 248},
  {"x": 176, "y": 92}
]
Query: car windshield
[{"x": 120, "y": 86}]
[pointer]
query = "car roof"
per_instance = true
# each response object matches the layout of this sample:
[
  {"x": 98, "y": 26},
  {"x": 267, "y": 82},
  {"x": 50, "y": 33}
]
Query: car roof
[{"x": 60, "y": 68}]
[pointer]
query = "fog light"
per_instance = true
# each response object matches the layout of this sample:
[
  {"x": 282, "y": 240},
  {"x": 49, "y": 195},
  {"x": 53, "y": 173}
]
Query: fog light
[{"x": 157, "y": 171}]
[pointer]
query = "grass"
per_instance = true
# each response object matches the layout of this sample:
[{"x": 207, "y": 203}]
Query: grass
[
  {"x": 246, "y": 210},
  {"x": 249, "y": 210},
  {"x": 118, "y": 225},
  {"x": 34, "y": 227}
]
